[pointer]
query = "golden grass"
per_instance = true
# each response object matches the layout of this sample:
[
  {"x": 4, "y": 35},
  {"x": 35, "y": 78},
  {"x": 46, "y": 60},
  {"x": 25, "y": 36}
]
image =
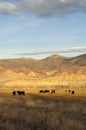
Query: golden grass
[
  {"x": 42, "y": 112},
  {"x": 61, "y": 84}
]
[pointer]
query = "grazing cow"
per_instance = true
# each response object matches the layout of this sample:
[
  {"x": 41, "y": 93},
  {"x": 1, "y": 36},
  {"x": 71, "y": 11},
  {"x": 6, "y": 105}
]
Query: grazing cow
[
  {"x": 46, "y": 91},
  {"x": 41, "y": 91},
  {"x": 69, "y": 91},
  {"x": 72, "y": 92},
  {"x": 14, "y": 93},
  {"x": 21, "y": 92},
  {"x": 53, "y": 91}
]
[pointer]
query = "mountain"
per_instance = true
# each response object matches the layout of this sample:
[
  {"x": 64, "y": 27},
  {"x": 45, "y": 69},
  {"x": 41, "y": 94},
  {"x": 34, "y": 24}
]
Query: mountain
[
  {"x": 53, "y": 62},
  {"x": 52, "y": 65},
  {"x": 73, "y": 65},
  {"x": 77, "y": 61},
  {"x": 49, "y": 63}
]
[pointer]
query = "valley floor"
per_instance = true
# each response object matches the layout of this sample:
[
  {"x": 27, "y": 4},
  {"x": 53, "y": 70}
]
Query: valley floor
[{"x": 42, "y": 112}]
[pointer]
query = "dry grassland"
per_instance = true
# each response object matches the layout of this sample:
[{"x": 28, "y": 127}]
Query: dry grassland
[
  {"x": 42, "y": 112},
  {"x": 61, "y": 84}
]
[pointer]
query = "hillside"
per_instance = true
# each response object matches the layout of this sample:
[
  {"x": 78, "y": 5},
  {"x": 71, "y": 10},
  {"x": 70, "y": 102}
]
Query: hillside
[
  {"x": 49, "y": 63},
  {"x": 77, "y": 61},
  {"x": 56, "y": 71},
  {"x": 53, "y": 63}
]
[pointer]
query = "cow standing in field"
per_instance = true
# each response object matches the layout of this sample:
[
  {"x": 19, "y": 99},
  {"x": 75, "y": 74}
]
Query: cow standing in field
[
  {"x": 41, "y": 91},
  {"x": 53, "y": 91},
  {"x": 72, "y": 92},
  {"x": 69, "y": 91},
  {"x": 14, "y": 93},
  {"x": 21, "y": 93},
  {"x": 46, "y": 91}
]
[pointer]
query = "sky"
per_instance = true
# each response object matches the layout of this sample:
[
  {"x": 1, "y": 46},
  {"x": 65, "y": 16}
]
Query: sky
[{"x": 40, "y": 25}]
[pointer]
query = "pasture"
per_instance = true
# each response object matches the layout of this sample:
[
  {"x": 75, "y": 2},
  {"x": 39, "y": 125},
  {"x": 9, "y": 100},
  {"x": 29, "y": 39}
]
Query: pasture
[{"x": 42, "y": 112}]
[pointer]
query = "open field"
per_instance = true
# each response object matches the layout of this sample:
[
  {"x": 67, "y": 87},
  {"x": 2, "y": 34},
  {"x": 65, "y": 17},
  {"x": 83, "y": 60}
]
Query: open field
[
  {"x": 61, "y": 84},
  {"x": 42, "y": 112},
  {"x": 64, "y": 109}
]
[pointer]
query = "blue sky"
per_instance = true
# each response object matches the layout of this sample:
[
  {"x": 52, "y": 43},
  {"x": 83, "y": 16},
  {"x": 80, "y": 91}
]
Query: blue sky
[{"x": 35, "y": 25}]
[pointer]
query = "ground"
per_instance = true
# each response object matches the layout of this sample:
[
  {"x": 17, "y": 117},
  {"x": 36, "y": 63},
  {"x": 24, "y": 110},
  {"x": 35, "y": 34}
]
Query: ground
[{"x": 42, "y": 112}]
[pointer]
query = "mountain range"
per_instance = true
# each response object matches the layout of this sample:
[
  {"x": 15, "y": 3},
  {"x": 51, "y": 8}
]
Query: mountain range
[{"x": 53, "y": 65}]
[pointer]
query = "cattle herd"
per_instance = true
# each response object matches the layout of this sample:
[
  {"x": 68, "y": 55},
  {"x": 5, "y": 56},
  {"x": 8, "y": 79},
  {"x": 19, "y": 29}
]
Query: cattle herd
[
  {"x": 42, "y": 91},
  {"x": 53, "y": 91},
  {"x": 70, "y": 91},
  {"x": 47, "y": 91}
]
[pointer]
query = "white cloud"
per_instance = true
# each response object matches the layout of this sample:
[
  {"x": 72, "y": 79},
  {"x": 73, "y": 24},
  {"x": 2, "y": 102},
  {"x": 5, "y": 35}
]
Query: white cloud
[
  {"x": 43, "y": 7},
  {"x": 8, "y": 8},
  {"x": 64, "y": 50}
]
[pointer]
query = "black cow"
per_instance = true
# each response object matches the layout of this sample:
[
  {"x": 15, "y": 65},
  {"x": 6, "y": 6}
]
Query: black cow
[
  {"x": 46, "y": 91},
  {"x": 14, "y": 93},
  {"x": 21, "y": 92},
  {"x": 69, "y": 91},
  {"x": 72, "y": 92},
  {"x": 41, "y": 91}
]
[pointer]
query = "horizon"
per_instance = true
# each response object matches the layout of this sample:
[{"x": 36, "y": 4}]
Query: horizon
[{"x": 43, "y": 57}]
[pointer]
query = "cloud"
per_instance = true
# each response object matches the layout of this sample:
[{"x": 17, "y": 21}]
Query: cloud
[
  {"x": 65, "y": 50},
  {"x": 7, "y": 8},
  {"x": 43, "y": 7},
  {"x": 53, "y": 7}
]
